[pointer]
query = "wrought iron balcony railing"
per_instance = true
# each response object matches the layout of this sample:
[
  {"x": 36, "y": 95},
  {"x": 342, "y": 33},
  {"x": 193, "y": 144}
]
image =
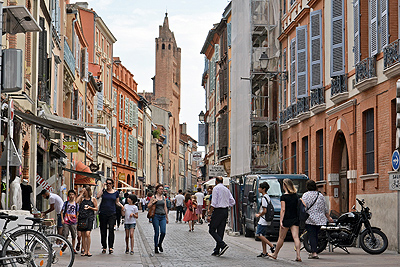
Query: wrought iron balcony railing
[
  {"x": 317, "y": 97},
  {"x": 365, "y": 69},
  {"x": 391, "y": 54},
  {"x": 339, "y": 85},
  {"x": 303, "y": 105}
]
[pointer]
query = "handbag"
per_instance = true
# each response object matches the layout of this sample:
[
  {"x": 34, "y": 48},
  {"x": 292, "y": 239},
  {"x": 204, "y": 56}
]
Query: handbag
[
  {"x": 152, "y": 211},
  {"x": 302, "y": 210},
  {"x": 83, "y": 224}
]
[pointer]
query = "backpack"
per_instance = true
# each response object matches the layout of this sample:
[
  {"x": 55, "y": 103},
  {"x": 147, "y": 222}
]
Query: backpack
[
  {"x": 168, "y": 203},
  {"x": 269, "y": 216}
]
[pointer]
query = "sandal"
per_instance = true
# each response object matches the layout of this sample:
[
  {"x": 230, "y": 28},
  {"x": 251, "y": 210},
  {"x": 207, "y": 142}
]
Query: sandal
[
  {"x": 103, "y": 251},
  {"x": 89, "y": 255},
  {"x": 298, "y": 260},
  {"x": 271, "y": 256},
  {"x": 110, "y": 251},
  {"x": 78, "y": 246},
  {"x": 126, "y": 251}
]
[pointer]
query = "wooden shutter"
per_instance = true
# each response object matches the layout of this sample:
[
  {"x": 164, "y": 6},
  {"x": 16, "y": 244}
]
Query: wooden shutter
[
  {"x": 384, "y": 23},
  {"x": 121, "y": 108},
  {"x": 337, "y": 38},
  {"x": 356, "y": 31},
  {"x": 135, "y": 114},
  {"x": 114, "y": 142},
  {"x": 316, "y": 49},
  {"x": 229, "y": 31},
  {"x": 373, "y": 25},
  {"x": 115, "y": 102},
  {"x": 126, "y": 110},
  {"x": 284, "y": 81},
  {"x": 293, "y": 71},
  {"x": 120, "y": 144},
  {"x": 125, "y": 146},
  {"x": 301, "y": 40},
  {"x": 135, "y": 150}
]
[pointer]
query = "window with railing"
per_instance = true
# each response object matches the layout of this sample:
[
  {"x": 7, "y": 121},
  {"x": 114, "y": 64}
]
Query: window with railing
[
  {"x": 369, "y": 156},
  {"x": 366, "y": 69}
]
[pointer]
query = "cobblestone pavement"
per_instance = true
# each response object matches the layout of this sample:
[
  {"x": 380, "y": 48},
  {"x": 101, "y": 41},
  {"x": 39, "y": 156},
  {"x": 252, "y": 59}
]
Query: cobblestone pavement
[{"x": 184, "y": 248}]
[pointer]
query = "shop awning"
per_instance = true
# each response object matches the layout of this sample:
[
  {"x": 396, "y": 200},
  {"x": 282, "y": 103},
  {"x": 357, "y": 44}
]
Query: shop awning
[
  {"x": 83, "y": 175},
  {"x": 64, "y": 125}
]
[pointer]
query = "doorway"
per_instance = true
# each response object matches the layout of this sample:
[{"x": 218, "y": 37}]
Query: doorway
[{"x": 343, "y": 168}]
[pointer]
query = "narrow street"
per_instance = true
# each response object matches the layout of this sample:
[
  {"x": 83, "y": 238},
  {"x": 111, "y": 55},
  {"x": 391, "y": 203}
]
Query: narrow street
[{"x": 184, "y": 248}]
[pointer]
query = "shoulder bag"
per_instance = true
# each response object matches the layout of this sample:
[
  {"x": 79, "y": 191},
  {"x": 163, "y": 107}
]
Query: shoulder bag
[{"x": 152, "y": 211}]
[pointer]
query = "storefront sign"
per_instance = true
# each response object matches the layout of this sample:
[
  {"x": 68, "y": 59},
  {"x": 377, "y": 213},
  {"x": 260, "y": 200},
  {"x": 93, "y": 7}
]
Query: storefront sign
[
  {"x": 70, "y": 147},
  {"x": 42, "y": 184},
  {"x": 121, "y": 177},
  {"x": 216, "y": 170}
]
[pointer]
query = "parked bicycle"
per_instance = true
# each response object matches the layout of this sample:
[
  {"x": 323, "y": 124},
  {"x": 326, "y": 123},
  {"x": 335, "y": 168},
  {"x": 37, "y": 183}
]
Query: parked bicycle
[
  {"x": 23, "y": 247},
  {"x": 63, "y": 252}
]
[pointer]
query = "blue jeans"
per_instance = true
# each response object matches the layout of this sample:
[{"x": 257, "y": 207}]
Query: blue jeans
[{"x": 160, "y": 228}]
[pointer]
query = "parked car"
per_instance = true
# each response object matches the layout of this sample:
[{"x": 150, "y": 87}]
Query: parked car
[{"x": 251, "y": 199}]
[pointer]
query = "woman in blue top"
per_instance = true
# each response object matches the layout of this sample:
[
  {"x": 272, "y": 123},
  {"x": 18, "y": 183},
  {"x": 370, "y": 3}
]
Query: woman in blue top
[{"x": 107, "y": 214}]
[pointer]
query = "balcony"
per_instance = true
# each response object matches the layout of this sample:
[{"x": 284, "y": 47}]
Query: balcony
[
  {"x": 366, "y": 74},
  {"x": 317, "y": 100},
  {"x": 69, "y": 57},
  {"x": 391, "y": 59},
  {"x": 339, "y": 91},
  {"x": 291, "y": 114},
  {"x": 303, "y": 108}
]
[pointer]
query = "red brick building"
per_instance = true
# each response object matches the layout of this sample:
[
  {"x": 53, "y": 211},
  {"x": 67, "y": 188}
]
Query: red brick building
[{"x": 338, "y": 104}]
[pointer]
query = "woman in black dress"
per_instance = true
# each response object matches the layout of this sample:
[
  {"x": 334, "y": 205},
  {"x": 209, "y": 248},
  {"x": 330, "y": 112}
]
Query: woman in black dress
[
  {"x": 87, "y": 207},
  {"x": 289, "y": 218}
]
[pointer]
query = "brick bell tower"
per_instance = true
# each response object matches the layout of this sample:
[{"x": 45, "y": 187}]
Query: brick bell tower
[{"x": 167, "y": 91}]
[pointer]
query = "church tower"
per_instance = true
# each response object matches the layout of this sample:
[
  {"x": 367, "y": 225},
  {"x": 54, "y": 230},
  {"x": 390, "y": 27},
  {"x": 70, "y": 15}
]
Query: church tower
[{"x": 167, "y": 91}]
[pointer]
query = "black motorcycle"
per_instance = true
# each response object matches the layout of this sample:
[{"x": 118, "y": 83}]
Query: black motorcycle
[{"x": 345, "y": 231}]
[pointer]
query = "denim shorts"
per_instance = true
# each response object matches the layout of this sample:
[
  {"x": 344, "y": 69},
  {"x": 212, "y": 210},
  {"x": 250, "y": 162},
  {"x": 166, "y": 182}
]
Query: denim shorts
[
  {"x": 261, "y": 230},
  {"x": 130, "y": 225}
]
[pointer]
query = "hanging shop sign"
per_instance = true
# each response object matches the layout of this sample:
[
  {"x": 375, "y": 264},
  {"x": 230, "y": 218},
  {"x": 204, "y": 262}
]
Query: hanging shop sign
[
  {"x": 42, "y": 184},
  {"x": 70, "y": 147}
]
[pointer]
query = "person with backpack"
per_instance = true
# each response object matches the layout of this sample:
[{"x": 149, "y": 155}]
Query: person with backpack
[
  {"x": 69, "y": 217},
  {"x": 168, "y": 201},
  {"x": 265, "y": 216}
]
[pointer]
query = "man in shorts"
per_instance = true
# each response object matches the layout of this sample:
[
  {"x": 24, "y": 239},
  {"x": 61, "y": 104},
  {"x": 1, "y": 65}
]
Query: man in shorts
[
  {"x": 69, "y": 217},
  {"x": 262, "y": 223}
]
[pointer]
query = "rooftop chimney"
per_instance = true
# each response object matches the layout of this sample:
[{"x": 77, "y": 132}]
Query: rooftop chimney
[{"x": 83, "y": 4}]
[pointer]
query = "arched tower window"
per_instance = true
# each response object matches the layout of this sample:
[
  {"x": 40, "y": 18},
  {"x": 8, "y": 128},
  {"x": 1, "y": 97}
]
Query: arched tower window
[
  {"x": 169, "y": 47},
  {"x": 163, "y": 46}
]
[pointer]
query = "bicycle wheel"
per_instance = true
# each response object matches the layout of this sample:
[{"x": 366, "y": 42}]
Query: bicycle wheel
[
  {"x": 27, "y": 247},
  {"x": 63, "y": 252}
]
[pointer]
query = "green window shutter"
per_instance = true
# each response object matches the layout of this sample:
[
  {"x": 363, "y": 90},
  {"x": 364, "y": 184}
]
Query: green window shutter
[
  {"x": 126, "y": 111},
  {"x": 131, "y": 114},
  {"x": 114, "y": 102},
  {"x": 120, "y": 144},
  {"x": 124, "y": 146},
  {"x": 135, "y": 110},
  {"x": 135, "y": 148}
]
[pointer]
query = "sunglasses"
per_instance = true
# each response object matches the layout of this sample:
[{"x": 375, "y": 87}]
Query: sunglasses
[{"x": 109, "y": 183}]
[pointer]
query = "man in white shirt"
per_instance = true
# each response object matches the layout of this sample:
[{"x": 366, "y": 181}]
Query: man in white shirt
[
  {"x": 56, "y": 203},
  {"x": 200, "y": 202},
  {"x": 221, "y": 200},
  {"x": 179, "y": 202}
]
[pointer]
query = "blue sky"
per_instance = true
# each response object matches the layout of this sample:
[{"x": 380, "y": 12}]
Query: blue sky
[{"x": 135, "y": 25}]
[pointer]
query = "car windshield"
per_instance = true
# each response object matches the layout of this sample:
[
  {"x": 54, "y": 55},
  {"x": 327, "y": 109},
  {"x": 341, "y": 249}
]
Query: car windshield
[{"x": 276, "y": 188}]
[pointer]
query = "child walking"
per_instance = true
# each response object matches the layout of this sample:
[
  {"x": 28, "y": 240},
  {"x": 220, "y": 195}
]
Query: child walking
[
  {"x": 69, "y": 217},
  {"x": 131, "y": 214}
]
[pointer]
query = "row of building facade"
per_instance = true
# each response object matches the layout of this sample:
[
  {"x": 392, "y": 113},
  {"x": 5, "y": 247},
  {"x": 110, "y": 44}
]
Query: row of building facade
[
  {"x": 308, "y": 86},
  {"x": 86, "y": 120}
]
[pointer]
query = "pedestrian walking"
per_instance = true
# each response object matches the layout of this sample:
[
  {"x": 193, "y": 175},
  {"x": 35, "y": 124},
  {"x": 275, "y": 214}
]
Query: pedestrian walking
[
  {"x": 200, "y": 202},
  {"x": 190, "y": 215},
  {"x": 56, "y": 204},
  {"x": 221, "y": 200},
  {"x": 87, "y": 207},
  {"x": 160, "y": 219},
  {"x": 131, "y": 214},
  {"x": 168, "y": 200},
  {"x": 107, "y": 214},
  {"x": 179, "y": 202},
  {"x": 148, "y": 198},
  {"x": 207, "y": 200},
  {"x": 118, "y": 213},
  {"x": 143, "y": 201},
  {"x": 289, "y": 218},
  {"x": 263, "y": 224},
  {"x": 69, "y": 218},
  {"x": 319, "y": 213}
]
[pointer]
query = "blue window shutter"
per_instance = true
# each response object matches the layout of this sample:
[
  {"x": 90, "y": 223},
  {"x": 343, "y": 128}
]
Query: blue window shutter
[
  {"x": 284, "y": 80},
  {"x": 384, "y": 23},
  {"x": 293, "y": 70},
  {"x": 356, "y": 31},
  {"x": 301, "y": 41},
  {"x": 373, "y": 25},
  {"x": 337, "y": 38},
  {"x": 229, "y": 30},
  {"x": 316, "y": 49}
]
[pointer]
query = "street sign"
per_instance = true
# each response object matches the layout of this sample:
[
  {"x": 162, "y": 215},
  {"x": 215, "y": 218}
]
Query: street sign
[
  {"x": 216, "y": 170},
  {"x": 196, "y": 156},
  {"x": 396, "y": 160},
  {"x": 394, "y": 181}
]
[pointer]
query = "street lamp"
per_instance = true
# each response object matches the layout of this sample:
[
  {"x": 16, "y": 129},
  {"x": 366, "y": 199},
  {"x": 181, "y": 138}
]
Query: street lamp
[
  {"x": 264, "y": 60},
  {"x": 201, "y": 116}
]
